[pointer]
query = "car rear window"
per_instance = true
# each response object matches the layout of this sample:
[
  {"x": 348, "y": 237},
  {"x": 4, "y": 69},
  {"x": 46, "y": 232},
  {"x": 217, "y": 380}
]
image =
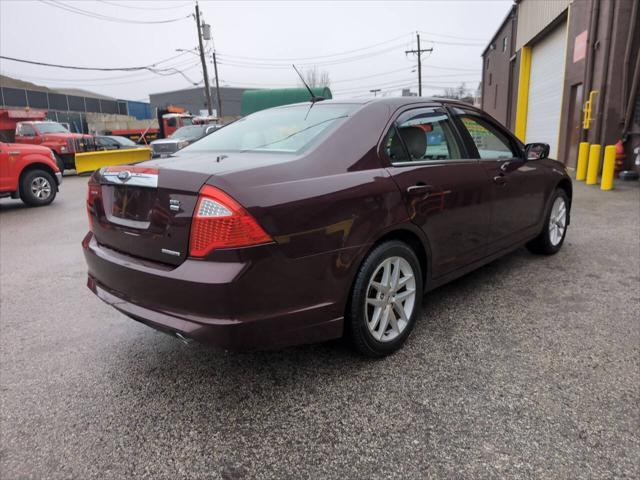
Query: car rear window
[{"x": 283, "y": 129}]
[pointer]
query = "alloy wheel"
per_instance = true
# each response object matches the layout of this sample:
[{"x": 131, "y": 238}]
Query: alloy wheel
[
  {"x": 390, "y": 299},
  {"x": 41, "y": 188},
  {"x": 557, "y": 221}
]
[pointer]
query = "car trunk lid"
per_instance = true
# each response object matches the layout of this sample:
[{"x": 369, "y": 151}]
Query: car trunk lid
[{"x": 146, "y": 211}]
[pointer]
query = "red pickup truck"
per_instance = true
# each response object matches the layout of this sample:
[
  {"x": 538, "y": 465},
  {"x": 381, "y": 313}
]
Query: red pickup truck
[
  {"x": 29, "y": 172},
  {"x": 55, "y": 136}
]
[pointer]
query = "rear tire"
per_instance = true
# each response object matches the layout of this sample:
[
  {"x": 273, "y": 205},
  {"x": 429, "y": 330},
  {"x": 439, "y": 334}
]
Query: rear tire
[
  {"x": 386, "y": 299},
  {"x": 37, "y": 188},
  {"x": 556, "y": 222}
]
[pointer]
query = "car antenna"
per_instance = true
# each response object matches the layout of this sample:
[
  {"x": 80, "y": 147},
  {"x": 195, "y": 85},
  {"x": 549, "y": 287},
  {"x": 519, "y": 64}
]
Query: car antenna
[{"x": 314, "y": 98}]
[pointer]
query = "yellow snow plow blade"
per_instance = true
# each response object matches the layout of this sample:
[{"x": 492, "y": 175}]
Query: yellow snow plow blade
[{"x": 90, "y": 161}]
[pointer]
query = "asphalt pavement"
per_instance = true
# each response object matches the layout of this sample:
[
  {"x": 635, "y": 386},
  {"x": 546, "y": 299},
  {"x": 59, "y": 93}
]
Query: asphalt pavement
[{"x": 526, "y": 368}]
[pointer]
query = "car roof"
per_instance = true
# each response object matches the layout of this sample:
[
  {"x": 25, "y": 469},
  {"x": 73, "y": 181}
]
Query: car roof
[{"x": 393, "y": 102}]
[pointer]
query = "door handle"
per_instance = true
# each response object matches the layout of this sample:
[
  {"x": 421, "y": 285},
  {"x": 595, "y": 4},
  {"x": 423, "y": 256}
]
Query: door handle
[
  {"x": 500, "y": 180},
  {"x": 419, "y": 189},
  {"x": 505, "y": 166}
]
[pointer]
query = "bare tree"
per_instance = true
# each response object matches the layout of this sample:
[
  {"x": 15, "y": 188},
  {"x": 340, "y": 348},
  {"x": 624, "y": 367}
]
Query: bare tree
[
  {"x": 461, "y": 92},
  {"x": 317, "y": 78}
]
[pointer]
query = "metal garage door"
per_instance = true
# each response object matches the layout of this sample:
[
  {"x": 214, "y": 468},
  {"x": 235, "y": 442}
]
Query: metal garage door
[{"x": 545, "y": 89}]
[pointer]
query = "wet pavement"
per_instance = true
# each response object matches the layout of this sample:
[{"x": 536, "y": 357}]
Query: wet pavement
[{"x": 528, "y": 367}]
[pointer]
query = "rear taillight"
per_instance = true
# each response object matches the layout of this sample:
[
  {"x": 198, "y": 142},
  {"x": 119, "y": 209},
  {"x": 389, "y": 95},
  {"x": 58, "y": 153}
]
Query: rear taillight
[
  {"x": 93, "y": 192},
  {"x": 220, "y": 222}
]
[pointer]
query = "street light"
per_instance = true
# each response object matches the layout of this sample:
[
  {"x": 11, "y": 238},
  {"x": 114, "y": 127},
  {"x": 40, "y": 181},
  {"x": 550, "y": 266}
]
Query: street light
[{"x": 375, "y": 91}]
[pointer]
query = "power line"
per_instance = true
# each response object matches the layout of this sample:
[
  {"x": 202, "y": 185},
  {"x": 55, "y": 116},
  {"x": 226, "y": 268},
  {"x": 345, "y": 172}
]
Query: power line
[
  {"x": 454, "y": 36},
  {"x": 87, "y": 13},
  {"x": 347, "y": 52},
  {"x": 459, "y": 44},
  {"x": 334, "y": 81},
  {"x": 140, "y": 80},
  {"x": 119, "y": 5},
  {"x": 275, "y": 66},
  {"x": 399, "y": 83},
  {"x": 150, "y": 67},
  {"x": 168, "y": 71},
  {"x": 285, "y": 62},
  {"x": 379, "y": 84},
  {"x": 266, "y": 66},
  {"x": 297, "y": 59},
  {"x": 137, "y": 77}
]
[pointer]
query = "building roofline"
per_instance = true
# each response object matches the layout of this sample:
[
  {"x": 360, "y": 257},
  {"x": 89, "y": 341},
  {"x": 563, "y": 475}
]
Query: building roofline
[{"x": 510, "y": 13}]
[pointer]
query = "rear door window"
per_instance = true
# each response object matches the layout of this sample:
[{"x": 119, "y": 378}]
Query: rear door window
[{"x": 423, "y": 134}]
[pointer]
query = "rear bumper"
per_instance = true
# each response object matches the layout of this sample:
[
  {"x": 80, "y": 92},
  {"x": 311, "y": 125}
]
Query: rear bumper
[
  {"x": 58, "y": 178},
  {"x": 223, "y": 304}
]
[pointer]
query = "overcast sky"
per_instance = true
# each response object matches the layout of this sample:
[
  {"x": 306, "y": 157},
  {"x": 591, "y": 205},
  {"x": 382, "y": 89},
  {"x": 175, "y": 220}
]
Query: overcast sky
[{"x": 360, "y": 44}]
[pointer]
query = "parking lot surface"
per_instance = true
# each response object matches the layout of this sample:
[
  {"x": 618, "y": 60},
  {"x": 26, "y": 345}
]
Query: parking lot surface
[{"x": 529, "y": 367}]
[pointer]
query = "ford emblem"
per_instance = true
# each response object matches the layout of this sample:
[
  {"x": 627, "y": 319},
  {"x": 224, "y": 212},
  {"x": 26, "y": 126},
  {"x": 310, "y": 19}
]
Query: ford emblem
[{"x": 124, "y": 175}]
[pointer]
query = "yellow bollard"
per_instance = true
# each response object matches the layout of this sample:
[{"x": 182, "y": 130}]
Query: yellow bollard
[
  {"x": 594, "y": 164},
  {"x": 608, "y": 167},
  {"x": 583, "y": 157}
]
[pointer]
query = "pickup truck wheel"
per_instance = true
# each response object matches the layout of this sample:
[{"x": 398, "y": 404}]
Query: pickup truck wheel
[
  {"x": 37, "y": 188},
  {"x": 59, "y": 162}
]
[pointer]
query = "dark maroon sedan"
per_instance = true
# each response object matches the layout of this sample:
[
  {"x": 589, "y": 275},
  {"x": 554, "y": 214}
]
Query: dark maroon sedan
[{"x": 306, "y": 222}]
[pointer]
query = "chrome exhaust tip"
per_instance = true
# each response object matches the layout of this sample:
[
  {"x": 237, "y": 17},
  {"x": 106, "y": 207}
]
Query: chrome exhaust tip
[{"x": 183, "y": 339}]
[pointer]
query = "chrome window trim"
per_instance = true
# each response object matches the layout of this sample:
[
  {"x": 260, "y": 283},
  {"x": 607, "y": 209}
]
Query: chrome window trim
[
  {"x": 434, "y": 162},
  {"x": 499, "y": 159}
]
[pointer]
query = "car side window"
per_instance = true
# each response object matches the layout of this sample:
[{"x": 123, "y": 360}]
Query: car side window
[
  {"x": 27, "y": 130},
  {"x": 490, "y": 143},
  {"x": 393, "y": 147},
  {"x": 421, "y": 135}
]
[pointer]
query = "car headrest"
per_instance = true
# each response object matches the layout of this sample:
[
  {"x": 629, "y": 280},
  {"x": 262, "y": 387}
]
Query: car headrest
[{"x": 416, "y": 141}]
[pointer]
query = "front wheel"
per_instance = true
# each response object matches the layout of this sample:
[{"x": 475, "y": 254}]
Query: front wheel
[
  {"x": 386, "y": 299},
  {"x": 37, "y": 188},
  {"x": 552, "y": 236}
]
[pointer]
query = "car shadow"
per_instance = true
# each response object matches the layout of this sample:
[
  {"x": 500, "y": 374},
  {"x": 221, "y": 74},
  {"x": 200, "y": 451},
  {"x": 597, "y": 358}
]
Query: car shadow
[
  {"x": 164, "y": 357},
  {"x": 8, "y": 205},
  {"x": 150, "y": 376}
]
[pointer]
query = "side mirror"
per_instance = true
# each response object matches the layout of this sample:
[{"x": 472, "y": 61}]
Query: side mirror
[{"x": 536, "y": 151}]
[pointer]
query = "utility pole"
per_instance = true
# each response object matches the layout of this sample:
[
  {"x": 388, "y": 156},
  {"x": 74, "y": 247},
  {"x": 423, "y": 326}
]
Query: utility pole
[
  {"x": 215, "y": 68},
  {"x": 374, "y": 91},
  {"x": 419, "y": 53},
  {"x": 204, "y": 63}
]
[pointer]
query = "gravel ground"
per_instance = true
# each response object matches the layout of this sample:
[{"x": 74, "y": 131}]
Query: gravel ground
[{"x": 529, "y": 367}]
